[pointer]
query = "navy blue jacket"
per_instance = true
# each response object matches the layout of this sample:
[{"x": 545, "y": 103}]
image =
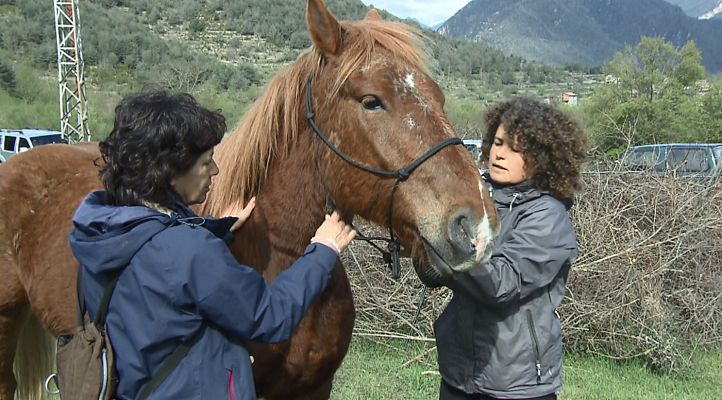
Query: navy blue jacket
[{"x": 179, "y": 277}]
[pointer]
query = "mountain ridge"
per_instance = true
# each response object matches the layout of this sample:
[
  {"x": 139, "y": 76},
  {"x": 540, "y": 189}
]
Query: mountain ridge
[
  {"x": 585, "y": 32},
  {"x": 700, "y": 9}
]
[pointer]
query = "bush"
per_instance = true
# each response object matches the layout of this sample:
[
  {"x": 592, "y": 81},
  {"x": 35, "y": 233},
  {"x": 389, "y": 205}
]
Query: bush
[
  {"x": 647, "y": 284},
  {"x": 7, "y": 77}
]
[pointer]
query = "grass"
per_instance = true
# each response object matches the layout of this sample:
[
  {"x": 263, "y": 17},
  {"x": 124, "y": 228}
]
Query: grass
[{"x": 381, "y": 370}]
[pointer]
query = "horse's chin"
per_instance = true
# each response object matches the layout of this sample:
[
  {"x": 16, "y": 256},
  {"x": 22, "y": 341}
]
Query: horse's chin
[
  {"x": 428, "y": 275},
  {"x": 433, "y": 269}
]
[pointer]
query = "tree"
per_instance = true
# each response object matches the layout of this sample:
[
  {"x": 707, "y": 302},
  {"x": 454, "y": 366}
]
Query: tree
[
  {"x": 654, "y": 98},
  {"x": 689, "y": 70},
  {"x": 7, "y": 77},
  {"x": 646, "y": 68}
]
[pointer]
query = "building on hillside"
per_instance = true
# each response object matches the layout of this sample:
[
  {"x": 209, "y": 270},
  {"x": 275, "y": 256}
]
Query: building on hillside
[
  {"x": 703, "y": 86},
  {"x": 611, "y": 79},
  {"x": 569, "y": 98}
]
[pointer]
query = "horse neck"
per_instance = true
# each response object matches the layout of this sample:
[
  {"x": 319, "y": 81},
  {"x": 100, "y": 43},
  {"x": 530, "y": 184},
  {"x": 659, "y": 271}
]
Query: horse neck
[{"x": 289, "y": 210}]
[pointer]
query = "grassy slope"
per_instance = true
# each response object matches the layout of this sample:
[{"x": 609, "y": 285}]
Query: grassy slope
[{"x": 373, "y": 370}]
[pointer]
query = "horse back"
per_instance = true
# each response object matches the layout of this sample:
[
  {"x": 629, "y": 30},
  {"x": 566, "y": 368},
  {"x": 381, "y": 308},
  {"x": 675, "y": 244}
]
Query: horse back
[{"x": 39, "y": 192}]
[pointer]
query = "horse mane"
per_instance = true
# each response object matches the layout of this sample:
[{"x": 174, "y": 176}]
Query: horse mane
[{"x": 272, "y": 123}]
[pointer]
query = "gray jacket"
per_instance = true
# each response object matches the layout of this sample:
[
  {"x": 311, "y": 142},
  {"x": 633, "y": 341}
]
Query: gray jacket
[{"x": 499, "y": 335}]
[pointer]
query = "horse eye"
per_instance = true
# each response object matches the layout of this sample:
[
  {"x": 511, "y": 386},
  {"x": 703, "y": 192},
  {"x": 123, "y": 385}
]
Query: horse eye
[{"x": 371, "y": 102}]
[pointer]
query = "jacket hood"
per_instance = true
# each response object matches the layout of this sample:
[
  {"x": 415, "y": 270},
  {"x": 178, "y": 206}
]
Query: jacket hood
[{"x": 105, "y": 238}]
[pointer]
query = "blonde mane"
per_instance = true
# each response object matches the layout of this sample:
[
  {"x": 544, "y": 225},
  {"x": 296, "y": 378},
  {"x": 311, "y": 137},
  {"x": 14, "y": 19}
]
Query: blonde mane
[{"x": 271, "y": 125}]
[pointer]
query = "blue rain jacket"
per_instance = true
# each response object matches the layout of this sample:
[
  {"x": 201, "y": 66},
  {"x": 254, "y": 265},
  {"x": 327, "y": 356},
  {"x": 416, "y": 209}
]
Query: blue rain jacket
[{"x": 177, "y": 277}]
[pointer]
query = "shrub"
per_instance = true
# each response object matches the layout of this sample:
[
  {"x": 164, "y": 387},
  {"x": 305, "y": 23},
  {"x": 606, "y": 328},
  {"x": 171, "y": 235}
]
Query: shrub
[{"x": 7, "y": 77}]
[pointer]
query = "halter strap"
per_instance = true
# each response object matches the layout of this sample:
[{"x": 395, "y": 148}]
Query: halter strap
[{"x": 391, "y": 255}]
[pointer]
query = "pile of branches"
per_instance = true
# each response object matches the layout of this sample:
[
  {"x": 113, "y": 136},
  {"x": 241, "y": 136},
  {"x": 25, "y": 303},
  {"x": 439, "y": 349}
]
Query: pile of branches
[{"x": 647, "y": 284}]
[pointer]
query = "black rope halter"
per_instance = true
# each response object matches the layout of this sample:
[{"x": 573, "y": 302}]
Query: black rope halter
[{"x": 391, "y": 254}]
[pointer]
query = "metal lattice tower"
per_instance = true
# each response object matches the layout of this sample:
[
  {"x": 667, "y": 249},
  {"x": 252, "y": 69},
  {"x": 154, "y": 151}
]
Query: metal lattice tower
[{"x": 71, "y": 80}]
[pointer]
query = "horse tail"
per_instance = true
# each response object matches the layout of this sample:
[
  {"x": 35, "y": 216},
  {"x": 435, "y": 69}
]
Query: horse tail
[{"x": 34, "y": 360}]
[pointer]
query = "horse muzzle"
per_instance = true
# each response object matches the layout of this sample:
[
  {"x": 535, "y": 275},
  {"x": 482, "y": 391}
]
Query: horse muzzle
[{"x": 467, "y": 245}]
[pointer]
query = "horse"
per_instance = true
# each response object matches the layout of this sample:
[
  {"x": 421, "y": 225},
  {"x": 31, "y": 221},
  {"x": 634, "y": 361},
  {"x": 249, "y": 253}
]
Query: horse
[{"x": 355, "y": 123}]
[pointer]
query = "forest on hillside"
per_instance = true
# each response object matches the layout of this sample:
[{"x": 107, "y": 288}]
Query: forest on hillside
[
  {"x": 134, "y": 35},
  {"x": 224, "y": 51}
]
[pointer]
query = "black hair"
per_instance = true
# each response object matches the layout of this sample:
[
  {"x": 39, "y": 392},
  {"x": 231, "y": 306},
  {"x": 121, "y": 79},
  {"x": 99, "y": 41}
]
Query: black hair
[{"x": 156, "y": 136}]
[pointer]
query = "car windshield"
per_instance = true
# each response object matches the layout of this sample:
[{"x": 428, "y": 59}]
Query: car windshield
[
  {"x": 688, "y": 161},
  {"x": 47, "y": 139},
  {"x": 644, "y": 158}
]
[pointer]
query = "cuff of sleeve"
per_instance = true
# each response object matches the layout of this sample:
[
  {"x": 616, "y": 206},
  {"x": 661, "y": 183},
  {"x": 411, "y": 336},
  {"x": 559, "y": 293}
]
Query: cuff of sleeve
[{"x": 327, "y": 256}]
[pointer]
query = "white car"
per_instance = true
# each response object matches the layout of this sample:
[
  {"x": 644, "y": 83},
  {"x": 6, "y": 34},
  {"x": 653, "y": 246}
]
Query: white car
[
  {"x": 14, "y": 141},
  {"x": 474, "y": 147}
]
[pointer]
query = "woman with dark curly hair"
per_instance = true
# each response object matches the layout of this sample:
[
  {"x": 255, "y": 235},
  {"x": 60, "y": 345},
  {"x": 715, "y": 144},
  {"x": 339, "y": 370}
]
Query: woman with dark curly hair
[
  {"x": 174, "y": 283},
  {"x": 500, "y": 338}
]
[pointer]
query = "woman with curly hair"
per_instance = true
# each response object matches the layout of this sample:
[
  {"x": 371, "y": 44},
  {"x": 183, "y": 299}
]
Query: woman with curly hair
[
  {"x": 499, "y": 337},
  {"x": 181, "y": 306}
]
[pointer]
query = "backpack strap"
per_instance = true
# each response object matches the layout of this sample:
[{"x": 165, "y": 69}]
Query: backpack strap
[
  {"x": 170, "y": 364},
  {"x": 81, "y": 300},
  {"x": 102, "y": 311}
]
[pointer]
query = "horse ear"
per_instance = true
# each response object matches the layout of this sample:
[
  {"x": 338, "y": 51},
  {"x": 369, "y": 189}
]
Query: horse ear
[
  {"x": 373, "y": 15},
  {"x": 324, "y": 28}
]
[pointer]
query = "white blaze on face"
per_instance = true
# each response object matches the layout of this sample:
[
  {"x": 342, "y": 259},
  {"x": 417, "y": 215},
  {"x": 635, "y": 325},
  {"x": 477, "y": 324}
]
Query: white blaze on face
[
  {"x": 409, "y": 81},
  {"x": 484, "y": 236},
  {"x": 410, "y": 121}
]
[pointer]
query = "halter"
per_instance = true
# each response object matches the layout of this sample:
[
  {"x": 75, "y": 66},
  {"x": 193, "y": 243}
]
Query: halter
[{"x": 391, "y": 254}]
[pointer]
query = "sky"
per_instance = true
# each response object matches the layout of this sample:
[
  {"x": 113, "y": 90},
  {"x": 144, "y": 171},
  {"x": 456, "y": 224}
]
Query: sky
[{"x": 429, "y": 12}]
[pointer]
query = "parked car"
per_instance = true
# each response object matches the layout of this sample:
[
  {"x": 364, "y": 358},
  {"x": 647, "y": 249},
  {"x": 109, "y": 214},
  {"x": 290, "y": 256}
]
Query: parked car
[
  {"x": 695, "y": 160},
  {"x": 13, "y": 142},
  {"x": 474, "y": 147}
]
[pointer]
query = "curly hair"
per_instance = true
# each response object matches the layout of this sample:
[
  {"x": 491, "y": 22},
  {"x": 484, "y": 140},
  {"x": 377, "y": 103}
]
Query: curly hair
[
  {"x": 156, "y": 136},
  {"x": 552, "y": 143}
]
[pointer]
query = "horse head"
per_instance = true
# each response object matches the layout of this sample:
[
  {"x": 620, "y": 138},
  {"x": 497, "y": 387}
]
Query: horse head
[{"x": 380, "y": 111}]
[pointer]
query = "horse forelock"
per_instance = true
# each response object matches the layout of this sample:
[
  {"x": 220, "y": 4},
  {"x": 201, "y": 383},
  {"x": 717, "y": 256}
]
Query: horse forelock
[{"x": 271, "y": 125}]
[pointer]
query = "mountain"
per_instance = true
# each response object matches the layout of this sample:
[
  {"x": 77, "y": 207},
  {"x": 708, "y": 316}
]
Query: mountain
[
  {"x": 702, "y": 9},
  {"x": 586, "y": 32}
]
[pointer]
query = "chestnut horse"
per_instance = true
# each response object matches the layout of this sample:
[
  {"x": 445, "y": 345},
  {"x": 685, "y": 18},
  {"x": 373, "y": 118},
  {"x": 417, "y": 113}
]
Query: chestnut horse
[{"x": 374, "y": 103}]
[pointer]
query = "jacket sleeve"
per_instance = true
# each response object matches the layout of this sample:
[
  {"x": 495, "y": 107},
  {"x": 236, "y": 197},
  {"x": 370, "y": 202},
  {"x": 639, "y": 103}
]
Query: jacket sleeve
[
  {"x": 237, "y": 298},
  {"x": 541, "y": 244}
]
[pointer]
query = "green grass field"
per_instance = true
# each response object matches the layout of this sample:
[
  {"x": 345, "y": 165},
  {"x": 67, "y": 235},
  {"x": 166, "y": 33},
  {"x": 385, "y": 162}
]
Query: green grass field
[{"x": 381, "y": 370}]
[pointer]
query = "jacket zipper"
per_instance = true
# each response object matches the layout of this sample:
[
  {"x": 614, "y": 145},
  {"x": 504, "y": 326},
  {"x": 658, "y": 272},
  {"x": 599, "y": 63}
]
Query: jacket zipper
[{"x": 535, "y": 345}]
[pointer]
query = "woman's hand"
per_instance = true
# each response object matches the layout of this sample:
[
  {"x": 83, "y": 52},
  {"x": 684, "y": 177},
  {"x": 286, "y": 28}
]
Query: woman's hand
[
  {"x": 334, "y": 233},
  {"x": 242, "y": 214}
]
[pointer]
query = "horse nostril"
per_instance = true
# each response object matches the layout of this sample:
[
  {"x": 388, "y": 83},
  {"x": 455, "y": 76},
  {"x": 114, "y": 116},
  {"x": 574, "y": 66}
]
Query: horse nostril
[{"x": 462, "y": 233}]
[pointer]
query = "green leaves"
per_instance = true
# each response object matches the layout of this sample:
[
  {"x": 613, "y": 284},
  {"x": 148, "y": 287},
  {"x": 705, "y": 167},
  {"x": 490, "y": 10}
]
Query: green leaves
[
  {"x": 653, "y": 95},
  {"x": 7, "y": 77}
]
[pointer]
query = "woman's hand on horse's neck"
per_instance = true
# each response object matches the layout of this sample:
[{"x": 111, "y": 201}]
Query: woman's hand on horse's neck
[{"x": 239, "y": 211}]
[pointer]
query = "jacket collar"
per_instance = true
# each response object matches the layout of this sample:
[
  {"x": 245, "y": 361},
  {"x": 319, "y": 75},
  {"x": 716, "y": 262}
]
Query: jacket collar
[
  {"x": 220, "y": 227},
  {"x": 513, "y": 195}
]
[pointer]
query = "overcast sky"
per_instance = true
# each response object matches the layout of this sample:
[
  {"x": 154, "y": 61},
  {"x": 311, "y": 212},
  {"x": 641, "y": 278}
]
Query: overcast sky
[{"x": 429, "y": 12}]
